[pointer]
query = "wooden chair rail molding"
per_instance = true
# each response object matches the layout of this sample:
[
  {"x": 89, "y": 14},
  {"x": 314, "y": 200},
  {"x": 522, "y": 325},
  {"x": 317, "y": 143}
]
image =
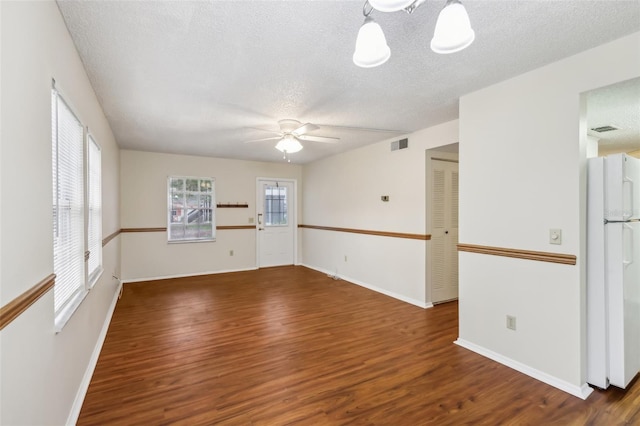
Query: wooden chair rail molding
[
  {"x": 127, "y": 230},
  {"x": 110, "y": 237},
  {"x": 368, "y": 232},
  {"x": 566, "y": 259},
  {"x": 13, "y": 309}
]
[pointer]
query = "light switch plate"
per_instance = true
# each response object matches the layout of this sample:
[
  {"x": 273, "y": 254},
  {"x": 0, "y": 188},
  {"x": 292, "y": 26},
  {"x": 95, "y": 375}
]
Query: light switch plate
[{"x": 555, "y": 236}]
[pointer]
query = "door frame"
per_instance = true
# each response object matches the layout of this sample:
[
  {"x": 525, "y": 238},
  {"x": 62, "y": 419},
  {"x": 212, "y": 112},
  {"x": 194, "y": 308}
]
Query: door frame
[
  {"x": 293, "y": 218},
  {"x": 437, "y": 153}
]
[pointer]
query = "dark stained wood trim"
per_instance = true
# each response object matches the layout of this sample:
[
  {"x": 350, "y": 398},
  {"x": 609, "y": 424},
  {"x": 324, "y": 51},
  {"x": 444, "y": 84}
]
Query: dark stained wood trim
[
  {"x": 232, "y": 206},
  {"x": 566, "y": 259},
  {"x": 13, "y": 309},
  {"x": 106, "y": 240},
  {"x": 368, "y": 232},
  {"x": 128, "y": 230},
  {"x": 224, "y": 228}
]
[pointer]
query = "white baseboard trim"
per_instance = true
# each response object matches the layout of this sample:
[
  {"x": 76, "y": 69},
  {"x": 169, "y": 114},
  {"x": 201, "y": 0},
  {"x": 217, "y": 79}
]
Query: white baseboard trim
[
  {"x": 395, "y": 295},
  {"x": 167, "y": 277},
  {"x": 581, "y": 392},
  {"x": 93, "y": 361}
]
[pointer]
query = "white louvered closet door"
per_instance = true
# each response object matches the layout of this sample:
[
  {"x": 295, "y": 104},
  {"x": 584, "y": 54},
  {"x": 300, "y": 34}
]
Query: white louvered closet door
[{"x": 444, "y": 231}]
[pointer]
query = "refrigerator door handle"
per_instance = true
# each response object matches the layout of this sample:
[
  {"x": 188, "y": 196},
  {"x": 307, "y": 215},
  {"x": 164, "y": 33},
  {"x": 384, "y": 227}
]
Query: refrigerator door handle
[
  {"x": 627, "y": 251},
  {"x": 629, "y": 183}
]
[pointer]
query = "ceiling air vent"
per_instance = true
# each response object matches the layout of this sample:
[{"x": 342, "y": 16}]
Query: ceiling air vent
[
  {"x": 603, "y": 129},
  {"x": 401, "y": 144}
]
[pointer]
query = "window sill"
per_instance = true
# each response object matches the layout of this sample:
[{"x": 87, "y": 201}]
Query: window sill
[
  {"x": 95, "y": 277},
  {"x": 208, "y": 240},
  {"x": 65, "y": 315}
]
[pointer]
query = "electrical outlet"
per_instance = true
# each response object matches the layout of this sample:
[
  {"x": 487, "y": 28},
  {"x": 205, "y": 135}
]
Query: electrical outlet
[
  {"x": 511, "y": 322},
  {"x": 230, "y": 252},
  {"x": 345, "y": 257}
]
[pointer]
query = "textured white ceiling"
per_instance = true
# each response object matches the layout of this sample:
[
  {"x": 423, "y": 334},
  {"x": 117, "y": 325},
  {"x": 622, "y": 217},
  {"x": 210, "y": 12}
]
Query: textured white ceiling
[
  {"x": 617, "y": 105},
  {"x": 190, "y": 77}
]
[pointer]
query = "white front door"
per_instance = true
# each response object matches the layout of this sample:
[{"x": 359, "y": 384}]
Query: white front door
[
  {"x": 276, "y": 222},
  {"x": 444, "y": 231}
]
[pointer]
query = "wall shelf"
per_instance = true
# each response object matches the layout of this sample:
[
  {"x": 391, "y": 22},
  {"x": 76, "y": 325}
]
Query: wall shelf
[{"x": 232, "y": 205}]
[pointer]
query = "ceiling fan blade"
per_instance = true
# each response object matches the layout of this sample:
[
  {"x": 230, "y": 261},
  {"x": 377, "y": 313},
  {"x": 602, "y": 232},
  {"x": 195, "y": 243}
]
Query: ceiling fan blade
[
  {"x": 272, "y": 138},
  {"x": 305, "y": 128},
  {"x": 275, "y": 132},
  {"x": 363, "y": 129},
  {"x": 323, "y": 139}
]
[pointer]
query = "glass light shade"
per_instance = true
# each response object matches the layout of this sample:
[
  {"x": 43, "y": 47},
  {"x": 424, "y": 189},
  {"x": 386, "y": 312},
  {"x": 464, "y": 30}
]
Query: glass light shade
[
  {"x": 453, "y": 29},
  {"x": 390, "y": 5},
  {"x": 289, "y": 144},
  {"x": 371, "y": 45}
]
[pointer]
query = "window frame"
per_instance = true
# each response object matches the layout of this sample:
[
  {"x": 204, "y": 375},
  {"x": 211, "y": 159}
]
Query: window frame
[
  {"x": 92, "y": 276},
  {"x": 184, "y": 217},
  {"x": 73, "y": 258}
]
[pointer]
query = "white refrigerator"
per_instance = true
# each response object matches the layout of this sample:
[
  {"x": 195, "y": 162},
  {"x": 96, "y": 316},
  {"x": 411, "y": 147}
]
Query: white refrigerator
[{"x": 613, "y": 270}]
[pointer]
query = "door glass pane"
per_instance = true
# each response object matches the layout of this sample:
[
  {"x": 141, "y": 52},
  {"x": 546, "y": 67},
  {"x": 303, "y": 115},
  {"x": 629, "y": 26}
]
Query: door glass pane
[{"x": 275, "y": 206}]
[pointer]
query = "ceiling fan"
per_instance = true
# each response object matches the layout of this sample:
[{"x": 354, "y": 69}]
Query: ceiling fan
[{"x": 291, "y": 133}]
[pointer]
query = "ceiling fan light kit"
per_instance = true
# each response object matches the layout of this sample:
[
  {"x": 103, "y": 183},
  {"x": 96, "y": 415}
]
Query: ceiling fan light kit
[
  {"x": 288, "y": 144},
  {"x": 452, "y": 33}
]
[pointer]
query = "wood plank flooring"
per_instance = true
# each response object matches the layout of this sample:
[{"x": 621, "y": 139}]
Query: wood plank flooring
[{"x": 289, "y": 345}]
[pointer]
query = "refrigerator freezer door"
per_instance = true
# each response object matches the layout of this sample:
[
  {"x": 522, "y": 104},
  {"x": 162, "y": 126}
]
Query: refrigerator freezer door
[
  {"x": 622, "y": 187},
  {"x": 623, "y": 288},
  {"x": 597, "y": 322}
]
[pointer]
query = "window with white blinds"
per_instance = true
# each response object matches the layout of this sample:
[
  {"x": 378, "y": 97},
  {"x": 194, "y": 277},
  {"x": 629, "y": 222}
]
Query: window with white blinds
[
  {"x": 68, "y": 207},
  {"x": 94, "y": 204}
]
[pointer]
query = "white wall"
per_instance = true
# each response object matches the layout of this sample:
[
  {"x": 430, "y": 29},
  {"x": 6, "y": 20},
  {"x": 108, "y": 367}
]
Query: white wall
[
  {"x": 42, "y": 372},
  {"x": 522, "y": 152},
  {"x": 344, "y": 191},
  {"x": 144, "y": 205}
]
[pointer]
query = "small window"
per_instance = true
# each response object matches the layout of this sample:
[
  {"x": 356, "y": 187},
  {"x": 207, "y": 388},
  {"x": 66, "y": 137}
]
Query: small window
[
  {"x": 94, "y": 195},
  {"x": 191, "y": 204},
  {"x": 275, "y": 206}
]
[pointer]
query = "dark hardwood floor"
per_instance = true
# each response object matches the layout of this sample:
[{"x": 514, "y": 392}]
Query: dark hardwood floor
[{"x": 291, "y": 346}]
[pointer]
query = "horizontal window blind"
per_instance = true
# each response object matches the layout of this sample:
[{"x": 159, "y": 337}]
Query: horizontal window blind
[{"x": 68, "y": 199}]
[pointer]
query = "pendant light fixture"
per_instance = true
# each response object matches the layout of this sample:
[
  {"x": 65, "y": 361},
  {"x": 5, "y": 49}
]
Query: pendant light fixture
[
  {"x": 371, "y": 45},
  {"x": 390, "y": 5},
  {"x": 453, "y": 30},
  {"x": 452, "y": 33}
]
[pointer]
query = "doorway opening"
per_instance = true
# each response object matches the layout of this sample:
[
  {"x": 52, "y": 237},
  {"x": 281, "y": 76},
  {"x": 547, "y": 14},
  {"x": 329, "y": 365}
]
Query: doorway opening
[{"x": 442, "y": 223}]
